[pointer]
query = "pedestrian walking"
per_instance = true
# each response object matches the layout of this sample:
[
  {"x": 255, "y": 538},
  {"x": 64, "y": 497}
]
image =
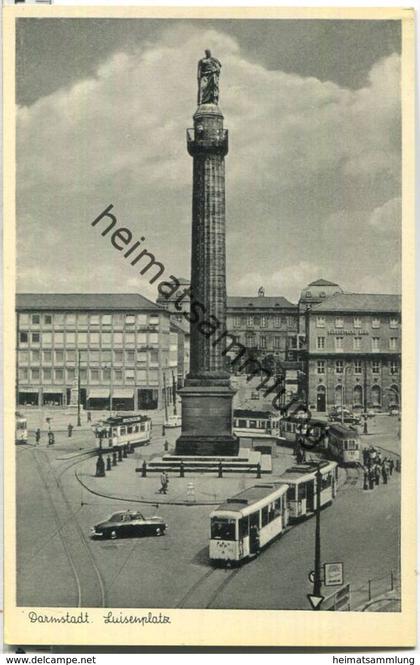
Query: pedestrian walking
[
  {"x": 70, "y": 430},
  {"x": 89, "y": 416},
  {"x": 163, "y": 483},
  {"x": 384, "y": 474},
  {"x": 391, "y": 466},
  {"x": 377, "y": 474},
  {"x": 51, "y": 438},
  {"x": 37, "y": 436}
]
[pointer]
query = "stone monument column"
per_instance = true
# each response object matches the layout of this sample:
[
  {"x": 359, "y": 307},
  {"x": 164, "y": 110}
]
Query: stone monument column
[{"x": 207, "y": 412}]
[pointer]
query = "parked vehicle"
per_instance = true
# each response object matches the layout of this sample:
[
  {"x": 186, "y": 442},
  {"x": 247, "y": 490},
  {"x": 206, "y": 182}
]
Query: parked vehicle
[
  {"x": 173, "y": 421},
  {"x": 126, "y": 524},
  {"x": 394, "y": 411},
  {"x": 340, "y": 414}
]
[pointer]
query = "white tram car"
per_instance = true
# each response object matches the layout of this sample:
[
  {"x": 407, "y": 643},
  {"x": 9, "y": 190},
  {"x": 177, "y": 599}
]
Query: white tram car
[
  {"x": 21, "y": 429},
  {"x": 258, "y": 424},
  {"x": 118, "y": 431},
  {"x": 302, "y": 483},
  {"x": 252, "y": 519},
  {"x": 248, "y": 521}
]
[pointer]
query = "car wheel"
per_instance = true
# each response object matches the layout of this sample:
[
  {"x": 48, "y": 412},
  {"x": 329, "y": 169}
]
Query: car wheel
[{"x": 113, "y": 534}]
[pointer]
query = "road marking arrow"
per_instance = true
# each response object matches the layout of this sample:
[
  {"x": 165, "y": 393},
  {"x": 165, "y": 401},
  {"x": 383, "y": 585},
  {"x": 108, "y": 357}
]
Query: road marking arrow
[{"x": 315, "y": 600}]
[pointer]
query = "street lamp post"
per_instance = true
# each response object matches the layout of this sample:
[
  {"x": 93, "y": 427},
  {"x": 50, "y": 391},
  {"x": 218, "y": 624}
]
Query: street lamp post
[
  {"x": 343, "y": 393},
  {"x": 79, "y": 423},
  {"x": 365, "y": 428},
  {"x": 317, "y": 562}
]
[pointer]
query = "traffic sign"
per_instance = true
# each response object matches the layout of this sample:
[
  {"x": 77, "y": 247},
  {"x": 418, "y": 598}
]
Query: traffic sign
[
  {"x": 333, "y": 573},
  {"x": 315, "y": 600}
]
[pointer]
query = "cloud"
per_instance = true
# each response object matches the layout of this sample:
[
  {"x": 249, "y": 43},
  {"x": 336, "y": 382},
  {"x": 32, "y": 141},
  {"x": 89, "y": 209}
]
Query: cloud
[
  {"x": 301, "y": 150},
  {"x": 387, "y": 217}
]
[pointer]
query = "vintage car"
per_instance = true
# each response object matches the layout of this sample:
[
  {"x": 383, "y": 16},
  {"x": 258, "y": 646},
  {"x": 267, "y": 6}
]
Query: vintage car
[
  {"x": 173, "y": 421},
  {"x": 127, "y": 523},
  {"x": 339, "y": 414}
]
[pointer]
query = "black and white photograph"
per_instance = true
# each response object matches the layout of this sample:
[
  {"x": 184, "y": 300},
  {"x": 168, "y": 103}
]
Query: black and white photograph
[{"x": 209, "y": 410}]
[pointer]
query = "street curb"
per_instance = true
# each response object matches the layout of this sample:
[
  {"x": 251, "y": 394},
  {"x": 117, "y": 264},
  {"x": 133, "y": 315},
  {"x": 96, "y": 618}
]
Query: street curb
[{"x": 146, "y": 501}]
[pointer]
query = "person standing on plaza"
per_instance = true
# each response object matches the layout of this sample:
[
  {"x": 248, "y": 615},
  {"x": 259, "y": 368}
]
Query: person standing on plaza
[
  {"x": 37, "y": 436},
  {"x": 70, "y": 430},
  {"x": 89, "y": 416}
]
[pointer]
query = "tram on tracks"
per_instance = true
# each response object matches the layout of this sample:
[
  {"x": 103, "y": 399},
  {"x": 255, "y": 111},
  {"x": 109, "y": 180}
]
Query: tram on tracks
[
  {"x": 258, "y": 424},
  {"x": 21, "y": 429},
  {"x": 302, "y": 487},
  {"x": 314, "y": 429},
  {"x": 118, "y": 431},
  {"x": 252, "y": 519},
  {"x": 344, "y": 444},
  {"x": 248, "y": 521}
]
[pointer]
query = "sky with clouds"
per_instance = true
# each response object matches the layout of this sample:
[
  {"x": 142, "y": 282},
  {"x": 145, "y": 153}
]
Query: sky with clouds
[{"x": 313, "y": 176}]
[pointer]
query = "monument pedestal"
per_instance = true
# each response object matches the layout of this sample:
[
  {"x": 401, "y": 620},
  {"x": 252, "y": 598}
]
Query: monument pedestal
[{"x": 207, "y": 421}]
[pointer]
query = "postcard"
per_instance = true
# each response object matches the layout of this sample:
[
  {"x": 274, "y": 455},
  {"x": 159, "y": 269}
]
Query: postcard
[{"x": 209, "y": 332}]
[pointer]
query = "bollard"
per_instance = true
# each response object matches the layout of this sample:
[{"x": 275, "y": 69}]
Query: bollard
[
  {"x": 258, "y": 470},
  {"x": 100, "y": 467},
  {"x": 120, "y": 457},
  {"x": 124, "y": 451},
  {"x": 181, "y": 470},
  {"x": 144, "y": 469},
  {"x": 114, "y": 458},
  {"x": 220, "y": 474},
  {"x": 108, "y": 463}
]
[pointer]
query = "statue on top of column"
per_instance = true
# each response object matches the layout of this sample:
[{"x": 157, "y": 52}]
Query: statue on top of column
[{"x": 208, "y": 73}]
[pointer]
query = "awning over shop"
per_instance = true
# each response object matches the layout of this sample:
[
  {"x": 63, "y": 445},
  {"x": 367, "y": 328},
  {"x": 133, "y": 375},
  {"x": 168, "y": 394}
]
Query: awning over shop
[
  {"x": 98, "y": 393},
  {"x": 123, "y": 393}
]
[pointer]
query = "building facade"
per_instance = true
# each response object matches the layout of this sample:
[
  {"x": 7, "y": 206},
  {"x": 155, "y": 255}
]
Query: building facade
[
  {"x": 180, "y": 325},
  {"x": 121, "y": 345},
  {"x": 266, "y": 325},
  {"x": 354, "y": 351}
]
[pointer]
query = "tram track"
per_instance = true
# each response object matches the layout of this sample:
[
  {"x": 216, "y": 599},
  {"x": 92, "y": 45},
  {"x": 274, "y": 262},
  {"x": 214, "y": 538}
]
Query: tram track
[{"x": 90, "y": 589}]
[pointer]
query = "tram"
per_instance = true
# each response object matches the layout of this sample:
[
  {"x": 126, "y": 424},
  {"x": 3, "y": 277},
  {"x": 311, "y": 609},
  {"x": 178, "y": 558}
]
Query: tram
[
  {"x": 118, "y": 431},
  {"x": 261, "y": 424},
  {"x": 302, "y": 487},
  {"x": 344, "y": 444},
  {"x": 248, "y": 521},
  {"x": 21, "y": 429},
  {"x": 292, "y": 425}
]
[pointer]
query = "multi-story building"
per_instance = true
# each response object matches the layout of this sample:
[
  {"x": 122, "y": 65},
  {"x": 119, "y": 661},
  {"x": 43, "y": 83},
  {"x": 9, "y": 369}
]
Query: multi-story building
[
  {"x": 266, "y": 325},
  {"x": 354, "y": 351},
  {"x": 180, "y": 325},
  {"x": 122, "y": 345}
]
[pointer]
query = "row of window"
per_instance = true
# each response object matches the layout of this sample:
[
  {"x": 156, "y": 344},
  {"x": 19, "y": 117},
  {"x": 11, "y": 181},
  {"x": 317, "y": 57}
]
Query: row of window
[
  {"x": 357, "y": 342},
  {"x": 357, "y": 322},
  {"x": 279, "y": 343},
  {"x": 130, "y": 357},
  {"x": 358, "y": 366},
  {"x": 264, "y": 321},
  {"x": 87, "y": 339},
  {"x": 70, "y": 319},
  {"x": 105, "y": 376}
]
